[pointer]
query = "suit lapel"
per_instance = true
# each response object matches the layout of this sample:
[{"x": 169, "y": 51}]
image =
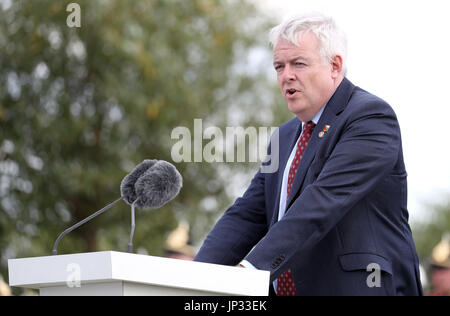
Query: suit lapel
[
  {"x": 291, "y": 136},
  {"x": 334, "y": 107}
]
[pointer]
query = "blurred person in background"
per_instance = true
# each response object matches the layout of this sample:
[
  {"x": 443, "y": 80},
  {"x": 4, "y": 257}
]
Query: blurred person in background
[
  {"x": 178, "y": 243},
  {"x": 440, "y": 268},
  {"x": 5, "y": 290}
]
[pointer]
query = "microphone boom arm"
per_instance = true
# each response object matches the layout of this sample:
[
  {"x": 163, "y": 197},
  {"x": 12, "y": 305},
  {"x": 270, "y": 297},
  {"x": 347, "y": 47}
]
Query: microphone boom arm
[{"x": 87, "y": 219}]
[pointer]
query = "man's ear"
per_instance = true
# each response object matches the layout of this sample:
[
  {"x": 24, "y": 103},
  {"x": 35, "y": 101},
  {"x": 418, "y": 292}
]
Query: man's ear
[{"x": 336, "y": 66}]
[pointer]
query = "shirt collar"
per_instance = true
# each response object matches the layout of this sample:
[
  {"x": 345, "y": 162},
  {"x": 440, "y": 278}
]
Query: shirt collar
[{"x": 316, "y": 118}]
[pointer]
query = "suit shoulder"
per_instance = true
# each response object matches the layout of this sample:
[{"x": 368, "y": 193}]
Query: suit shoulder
[{"x": 366, "y": 102}]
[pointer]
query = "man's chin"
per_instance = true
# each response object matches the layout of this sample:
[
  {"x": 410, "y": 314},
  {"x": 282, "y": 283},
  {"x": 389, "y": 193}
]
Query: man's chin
[
  {"x": 300, "y": 112},
  {"x": 295, "y": 108}
]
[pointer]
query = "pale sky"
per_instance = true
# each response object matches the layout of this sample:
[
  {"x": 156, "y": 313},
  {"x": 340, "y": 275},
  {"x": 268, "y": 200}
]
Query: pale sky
[{"x": 399, "y": 50}]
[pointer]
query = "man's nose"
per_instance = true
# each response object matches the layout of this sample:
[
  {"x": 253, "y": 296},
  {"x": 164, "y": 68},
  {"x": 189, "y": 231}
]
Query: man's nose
[{"x": 288, "y": 74}]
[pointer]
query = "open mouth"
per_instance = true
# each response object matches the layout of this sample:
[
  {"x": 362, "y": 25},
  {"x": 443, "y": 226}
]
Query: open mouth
[{"x": 291, "y": 92}]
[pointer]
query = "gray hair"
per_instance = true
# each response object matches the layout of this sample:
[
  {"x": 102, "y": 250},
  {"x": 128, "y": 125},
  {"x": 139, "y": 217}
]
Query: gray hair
[{"x": 331, "y": 38}]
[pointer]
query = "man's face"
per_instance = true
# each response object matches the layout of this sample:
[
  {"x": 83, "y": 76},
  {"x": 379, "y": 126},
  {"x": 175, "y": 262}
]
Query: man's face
[{"x": 306, "y": 82}]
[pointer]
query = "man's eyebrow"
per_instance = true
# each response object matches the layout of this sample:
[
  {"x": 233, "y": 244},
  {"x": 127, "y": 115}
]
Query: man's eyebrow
[
  {"x": 298, "y": 58},
  {"x": 276, "y": 62}
]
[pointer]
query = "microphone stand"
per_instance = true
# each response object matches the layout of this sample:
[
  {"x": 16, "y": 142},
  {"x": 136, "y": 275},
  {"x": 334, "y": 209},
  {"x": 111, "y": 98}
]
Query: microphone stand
[
  {"x": 87, "y": 219},
  {"x": 130, "y": 244}
]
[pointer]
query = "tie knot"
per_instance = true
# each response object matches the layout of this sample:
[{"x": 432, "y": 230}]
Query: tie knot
[{"x": 309, "y": 127}]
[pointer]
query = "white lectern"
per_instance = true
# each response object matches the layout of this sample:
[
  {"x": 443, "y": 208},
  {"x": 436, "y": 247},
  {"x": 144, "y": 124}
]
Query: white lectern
[{"x": 121, "y": 274}]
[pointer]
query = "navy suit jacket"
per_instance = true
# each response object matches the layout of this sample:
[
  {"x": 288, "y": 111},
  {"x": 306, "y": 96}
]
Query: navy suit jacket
[{"x": 346, "y": 214}]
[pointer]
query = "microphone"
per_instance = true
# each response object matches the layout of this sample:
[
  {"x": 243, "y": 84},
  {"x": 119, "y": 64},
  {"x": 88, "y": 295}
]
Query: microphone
[
  {"x": 127, "y": 189},
  {"x": 151, "y": 184}
]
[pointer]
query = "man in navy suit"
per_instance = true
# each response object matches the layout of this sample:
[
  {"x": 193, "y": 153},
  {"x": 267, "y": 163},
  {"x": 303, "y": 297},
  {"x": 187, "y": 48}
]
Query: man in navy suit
[{"x": 332, "y": 220}]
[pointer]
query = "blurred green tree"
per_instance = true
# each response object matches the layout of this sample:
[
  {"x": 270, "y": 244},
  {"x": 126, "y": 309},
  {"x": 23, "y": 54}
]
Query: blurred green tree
[{"x": 80, "y": 107}]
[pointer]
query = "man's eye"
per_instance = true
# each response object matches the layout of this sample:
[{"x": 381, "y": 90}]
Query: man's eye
[
  {"x": 300, "y": 64},
  {"x": 279, "y": 67}
]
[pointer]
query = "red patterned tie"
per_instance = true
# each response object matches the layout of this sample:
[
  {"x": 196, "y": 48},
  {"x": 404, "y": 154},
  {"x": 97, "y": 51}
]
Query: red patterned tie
[{"x": 285, "y": 282}]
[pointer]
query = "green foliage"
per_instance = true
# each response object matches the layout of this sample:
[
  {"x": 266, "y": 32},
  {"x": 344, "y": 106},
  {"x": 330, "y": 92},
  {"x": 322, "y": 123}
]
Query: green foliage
[{"x": 80, "y": 107}]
